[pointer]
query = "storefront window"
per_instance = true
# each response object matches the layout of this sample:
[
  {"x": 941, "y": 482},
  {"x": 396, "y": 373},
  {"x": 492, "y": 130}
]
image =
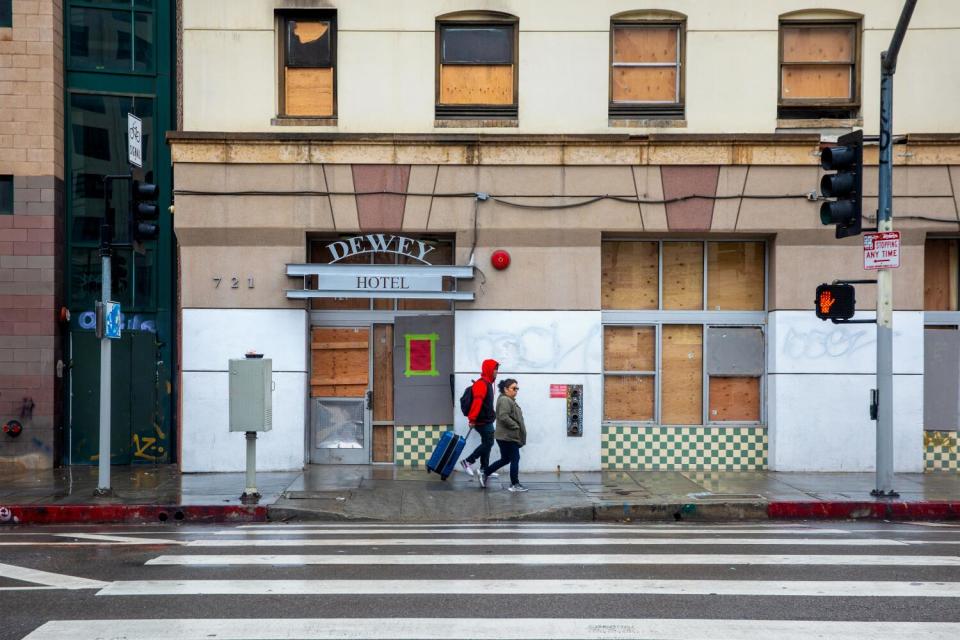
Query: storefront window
[{"x": 673, "y": 354}]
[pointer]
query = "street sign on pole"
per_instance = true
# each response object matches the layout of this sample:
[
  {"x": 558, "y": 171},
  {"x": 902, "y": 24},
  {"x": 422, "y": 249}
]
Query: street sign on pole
[
  {"x": 111, "y": 320},
  {"x": 134, "y": 140},
  {"x": 881, "y": 250}
]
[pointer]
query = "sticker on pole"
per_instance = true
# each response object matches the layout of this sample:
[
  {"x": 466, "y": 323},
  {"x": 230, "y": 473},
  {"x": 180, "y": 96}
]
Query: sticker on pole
[
  {"x": 881, "y": 250},
  {"x": 134, "y": 140},
  {"x": 111, "y": 320}
]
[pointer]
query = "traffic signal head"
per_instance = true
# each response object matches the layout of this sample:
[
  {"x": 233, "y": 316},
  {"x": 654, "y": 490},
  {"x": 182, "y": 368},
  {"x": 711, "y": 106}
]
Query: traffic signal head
[
  {"x": 846, "y": 185},
  {"x": 835, "y": 301},
  {"x": 144, "y": 211}
]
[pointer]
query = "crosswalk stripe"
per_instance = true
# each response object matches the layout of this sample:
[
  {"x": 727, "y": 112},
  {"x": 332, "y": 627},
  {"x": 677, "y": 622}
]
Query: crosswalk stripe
[
  {"x": 521, "y": 525},
  {"x": 47, "y": 579},
  {"x": 559, "y": 560},
  {"x": 638, "y": 530},
  {"x": 558, "y": 586},
  {"x": 475, "y": 542},
  {"x": 100, "y": 537},
  {"x": 483, "y": 629}
]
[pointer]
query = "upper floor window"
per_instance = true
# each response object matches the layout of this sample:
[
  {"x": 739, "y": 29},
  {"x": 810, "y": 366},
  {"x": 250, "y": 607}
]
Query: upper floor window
[
  {"x": 819, "y": 69},
  {"x": 477, "y": 68},
  {"x": 6, "y": 13},
  {"x": 646, "y": 69},
  {"x": 308, "y": 64},
  {"x": 118, "y": 36}
]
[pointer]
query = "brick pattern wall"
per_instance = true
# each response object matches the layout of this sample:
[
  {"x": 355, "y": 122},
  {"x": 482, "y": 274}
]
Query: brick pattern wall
[{"x": 31, "y": 243}]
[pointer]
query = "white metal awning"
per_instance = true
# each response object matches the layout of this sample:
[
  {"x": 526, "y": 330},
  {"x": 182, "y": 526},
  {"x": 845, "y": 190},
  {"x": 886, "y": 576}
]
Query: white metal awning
[{"x": 422, "y": 282}]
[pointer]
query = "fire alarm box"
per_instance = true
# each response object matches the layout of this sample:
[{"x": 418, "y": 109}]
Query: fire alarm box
[
  {"x": 575, "y": 410},
  {"x": 251, "y": 394}
]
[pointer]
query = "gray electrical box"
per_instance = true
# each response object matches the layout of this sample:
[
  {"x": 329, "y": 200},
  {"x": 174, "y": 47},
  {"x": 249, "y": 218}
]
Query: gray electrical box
[{"x": 251, "y": 397}]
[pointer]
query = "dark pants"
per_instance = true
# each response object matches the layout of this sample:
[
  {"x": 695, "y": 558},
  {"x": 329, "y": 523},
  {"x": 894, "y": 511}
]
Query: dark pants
[
  {"x": 509, "y": 454},
  {"x": 486, "y": 444}
]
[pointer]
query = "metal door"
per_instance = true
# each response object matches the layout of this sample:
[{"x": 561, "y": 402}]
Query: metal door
[{"x": 340, "y": 396}]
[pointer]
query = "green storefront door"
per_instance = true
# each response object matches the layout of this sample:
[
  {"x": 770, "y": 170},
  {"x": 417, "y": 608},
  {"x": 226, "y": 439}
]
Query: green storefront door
[{"x": 136, "y": 416}]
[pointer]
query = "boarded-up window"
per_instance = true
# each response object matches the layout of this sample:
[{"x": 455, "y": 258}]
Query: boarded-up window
[
  {"x": 940, "y": 271},
  {"x": 682, "y": 375},
  {"x": 476, "y": 74},
  {"x": 309, "y": 52},
  {"x": 629, "y": 358},
  {"x": 735, "y": 364},
  {"x": 735, "y": 276},
  {"x": 818, "y": 69},
  {"x": 645, "y": 70},
  {"x": 630, "y": 275},
  {"x": 683, "y": 275}
]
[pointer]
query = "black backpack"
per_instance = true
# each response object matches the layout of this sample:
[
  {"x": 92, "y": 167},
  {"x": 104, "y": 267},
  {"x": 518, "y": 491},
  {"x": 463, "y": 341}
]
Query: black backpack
[{"x": 466, "y": 400}]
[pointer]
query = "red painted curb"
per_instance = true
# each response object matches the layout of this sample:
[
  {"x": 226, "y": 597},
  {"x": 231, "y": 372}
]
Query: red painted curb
[
  {"x": 129, "y": 514},
  {"x": 866, "y": 510}
]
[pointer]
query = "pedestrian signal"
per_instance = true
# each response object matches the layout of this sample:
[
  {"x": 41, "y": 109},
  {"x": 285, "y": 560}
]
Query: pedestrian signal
[{"x": 835, "y": 301}]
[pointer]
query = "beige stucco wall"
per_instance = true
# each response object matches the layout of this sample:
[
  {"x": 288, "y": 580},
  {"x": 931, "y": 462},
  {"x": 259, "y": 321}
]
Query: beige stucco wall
[{"x": 386, "y": 63}]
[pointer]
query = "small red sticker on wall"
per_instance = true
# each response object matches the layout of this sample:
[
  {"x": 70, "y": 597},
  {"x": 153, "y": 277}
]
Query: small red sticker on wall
[{"x": 558, "y": 391}]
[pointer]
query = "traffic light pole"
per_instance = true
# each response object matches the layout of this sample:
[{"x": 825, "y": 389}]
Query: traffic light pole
[{"x": 888, "y": 66}]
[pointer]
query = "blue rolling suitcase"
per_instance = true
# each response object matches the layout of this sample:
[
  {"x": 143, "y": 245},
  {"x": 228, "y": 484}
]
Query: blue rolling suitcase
[{"x": 446, "y": 454}]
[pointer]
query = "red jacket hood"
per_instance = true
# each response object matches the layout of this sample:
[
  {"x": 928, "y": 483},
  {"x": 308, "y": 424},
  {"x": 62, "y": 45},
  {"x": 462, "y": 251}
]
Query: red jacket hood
[{"x": 488, "y": 370}]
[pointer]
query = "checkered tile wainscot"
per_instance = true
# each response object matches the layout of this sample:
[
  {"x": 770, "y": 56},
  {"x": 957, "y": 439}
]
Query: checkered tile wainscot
[
  {"x": 940, "y": 451},
  {"x": 687, "y": 448},
  {"x": 414, "y": 444}
]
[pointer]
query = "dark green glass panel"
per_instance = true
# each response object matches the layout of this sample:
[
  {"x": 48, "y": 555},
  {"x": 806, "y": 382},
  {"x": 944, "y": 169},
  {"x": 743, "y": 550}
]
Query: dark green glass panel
[
  {"x": 6, "y": 192},
  {"x": 98, "y": 138},
  {"x": 6, "y": 13},
  {"x": 110, "y": 40}
]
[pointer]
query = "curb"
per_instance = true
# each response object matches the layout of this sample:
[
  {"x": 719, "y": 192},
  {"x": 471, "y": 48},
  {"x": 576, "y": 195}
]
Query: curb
[
  {"x": 129, "y": 514},
  {"x": 865, "y": 510}
]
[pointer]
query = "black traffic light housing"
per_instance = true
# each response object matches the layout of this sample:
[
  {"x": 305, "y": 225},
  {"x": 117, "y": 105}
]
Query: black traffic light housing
[
  {"x": 846, "y": 185},
  {"x": 144, "y": 211},
  {"x": 835, "y": 302}
]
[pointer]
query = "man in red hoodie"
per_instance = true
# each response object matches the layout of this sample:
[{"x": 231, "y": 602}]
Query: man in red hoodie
[{"x": 481, "y": 417}]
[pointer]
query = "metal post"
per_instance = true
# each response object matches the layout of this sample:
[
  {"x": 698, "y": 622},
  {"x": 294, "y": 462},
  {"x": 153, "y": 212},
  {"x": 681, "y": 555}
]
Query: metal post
[
  {"x": 888, "y": 66},
  {"x": 103, "y": 482},
  {"x": 250, "y": 493}
]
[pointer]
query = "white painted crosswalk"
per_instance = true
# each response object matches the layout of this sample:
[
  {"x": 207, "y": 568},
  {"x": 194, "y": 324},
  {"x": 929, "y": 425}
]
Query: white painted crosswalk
[
  {"x": 484, "y": 629},
  {"x": 357, "y": 570}
]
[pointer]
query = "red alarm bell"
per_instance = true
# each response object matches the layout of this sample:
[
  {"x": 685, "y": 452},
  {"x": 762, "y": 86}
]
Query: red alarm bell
[{"x": 500, "y": 259}]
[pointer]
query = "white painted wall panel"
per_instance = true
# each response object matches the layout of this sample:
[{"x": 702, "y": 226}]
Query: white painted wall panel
[
  {"x": 548, "y": 445},
  {"x": 211, "y": 337},
  {"x": 798, "y": 342},
  {"x": 529, "y": 341},
  {"x": 821, "y": 423},
  {"x": 208, "y": 444}
]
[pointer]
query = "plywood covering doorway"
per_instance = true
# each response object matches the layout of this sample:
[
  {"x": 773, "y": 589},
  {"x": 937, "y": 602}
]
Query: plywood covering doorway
[{"x": 339, "y": 395}]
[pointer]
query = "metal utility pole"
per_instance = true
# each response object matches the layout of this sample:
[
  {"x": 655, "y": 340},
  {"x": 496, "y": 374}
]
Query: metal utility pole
[
  {"x": 106, "y": 252},
  {"x": 888, "y": 66}
]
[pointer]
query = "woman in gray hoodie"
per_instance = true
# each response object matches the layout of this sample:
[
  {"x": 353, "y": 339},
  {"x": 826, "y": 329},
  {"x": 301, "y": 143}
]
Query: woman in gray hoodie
[{"x": 511, "y": 433}]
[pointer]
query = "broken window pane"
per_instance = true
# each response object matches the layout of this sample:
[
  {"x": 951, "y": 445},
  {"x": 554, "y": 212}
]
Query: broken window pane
[
  {"x": 485, "y": 44},
  {"x": 308, "y": 43}
]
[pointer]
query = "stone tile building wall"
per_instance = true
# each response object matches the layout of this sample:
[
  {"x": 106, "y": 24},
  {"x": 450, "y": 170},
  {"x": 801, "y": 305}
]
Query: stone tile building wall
[{"x": 31, "y": 243}]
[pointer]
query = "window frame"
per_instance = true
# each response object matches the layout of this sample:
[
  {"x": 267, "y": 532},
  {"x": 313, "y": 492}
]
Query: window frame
[
  {"x": 132, "y": 7},
  {"x": 821, "y": 108},
  {"x": 622, "y": 109},
  {"x": 282, "y": 16},
  {"x": 476, "y": 111},
  {"x": 706, "y": 319},
  {"x": 7, "y": 182}
]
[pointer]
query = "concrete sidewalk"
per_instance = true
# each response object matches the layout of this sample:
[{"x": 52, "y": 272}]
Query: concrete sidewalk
[{"x": 391, "y": 494}]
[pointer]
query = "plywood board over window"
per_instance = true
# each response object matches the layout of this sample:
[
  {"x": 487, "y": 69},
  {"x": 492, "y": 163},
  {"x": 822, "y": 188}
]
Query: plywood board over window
[
  {"x": 735, "y": 276},
  {"x": 734, "y": 399},
  {"x": 476, "y": 84},
  {"x": 628, "y": 398},
  {"x": 383, "y": 393},
  {"x": 308, "y": 65},
  {"x": 629, "y": 275},
  {"x": 683, "y": 275},
  {"x": 339, "y": 362},
  {"x": 681, "y": 386},
  {"x": 940, "y": 274},
  {"x": 629, "y": 348},
  {"x": 818, "y": 69}
]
